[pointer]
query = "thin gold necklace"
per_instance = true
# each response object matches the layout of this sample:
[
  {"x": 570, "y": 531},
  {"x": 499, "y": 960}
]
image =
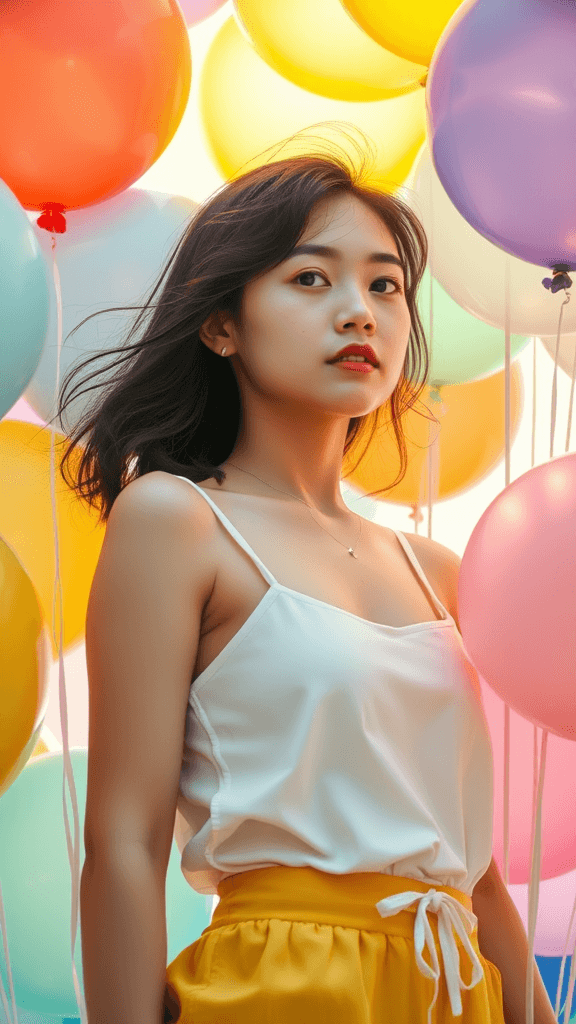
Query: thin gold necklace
[{"x": 350, "y": 550}]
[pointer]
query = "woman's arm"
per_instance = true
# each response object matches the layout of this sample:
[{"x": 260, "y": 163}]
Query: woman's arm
[
  {"x": 142, "y": 630},
  {"x": 124, "y": 943},
  {"x": 503, "y": 941}
]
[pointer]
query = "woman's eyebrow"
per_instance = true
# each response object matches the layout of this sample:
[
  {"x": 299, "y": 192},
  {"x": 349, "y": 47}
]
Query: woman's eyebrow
[{"x": 335, "y": 254}]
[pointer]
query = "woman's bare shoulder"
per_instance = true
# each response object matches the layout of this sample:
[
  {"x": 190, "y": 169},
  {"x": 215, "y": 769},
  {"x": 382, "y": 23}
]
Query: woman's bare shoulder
[{"x": 161, "y": 490}]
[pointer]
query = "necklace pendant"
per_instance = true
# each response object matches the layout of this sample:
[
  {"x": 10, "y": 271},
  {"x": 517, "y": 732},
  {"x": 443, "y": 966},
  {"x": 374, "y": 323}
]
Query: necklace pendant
[{"x": 351, "y": 552}]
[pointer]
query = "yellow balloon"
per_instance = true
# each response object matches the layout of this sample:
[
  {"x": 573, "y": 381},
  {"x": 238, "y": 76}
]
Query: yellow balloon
[
  {"x": 471, "y": 441},
  {"x": 411, "y": 30},
  {"x": 349, "y": 65},
  {"x": 26, "y": 525},
  {"x": 246, "y": 107},
  {"x": 24, "y": 654},
  {"x": 40, "y": 749}
]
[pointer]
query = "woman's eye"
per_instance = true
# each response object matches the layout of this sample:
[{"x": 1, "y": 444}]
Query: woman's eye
[{"x": 316, "y": 273}]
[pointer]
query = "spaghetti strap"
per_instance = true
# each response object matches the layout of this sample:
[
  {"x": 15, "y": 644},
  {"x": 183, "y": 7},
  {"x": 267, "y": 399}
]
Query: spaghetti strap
[
  {"x": 235, "y": 533},
  {"x": 414, "y": 561},
  {"x": 272, "y": 579}
]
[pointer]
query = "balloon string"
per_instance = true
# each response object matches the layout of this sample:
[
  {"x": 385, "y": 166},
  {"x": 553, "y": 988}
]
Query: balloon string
[
  {"x": 7, "y": 955},
  {"x": 73, "y": 851},
  {"x": 563, "y": 281}
]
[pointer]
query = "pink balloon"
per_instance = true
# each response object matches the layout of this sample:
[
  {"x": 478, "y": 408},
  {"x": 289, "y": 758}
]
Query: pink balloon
[
  {"x": 555, "y": 899},
  {"x": 195, "y": 11},
  {"x": 558, "y": 834},
  {"x": 517, "y": 596},
  {"x": 22, "y": 411},
  {"x": 501, "y": 107}
]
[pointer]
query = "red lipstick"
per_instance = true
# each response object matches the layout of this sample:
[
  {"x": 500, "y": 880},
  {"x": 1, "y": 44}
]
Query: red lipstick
[
  {"x": 357, "y": 350},
  {"x": 362, "y": 367}
]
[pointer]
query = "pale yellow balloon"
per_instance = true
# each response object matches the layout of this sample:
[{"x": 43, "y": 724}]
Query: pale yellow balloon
[
  {"x": 411, "y": 30},
  {"x": 348, "y": 65},
  {"x": 246, "y": 107}
]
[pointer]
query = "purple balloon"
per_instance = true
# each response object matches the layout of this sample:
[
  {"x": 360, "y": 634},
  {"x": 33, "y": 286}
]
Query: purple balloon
[
  {"x": 195, "y": 11},
  {"x": 501, "y": 110}
]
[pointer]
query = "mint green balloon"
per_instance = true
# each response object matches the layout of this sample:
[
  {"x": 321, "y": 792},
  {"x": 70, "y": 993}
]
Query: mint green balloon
[
  {"x": 37, "y": 889},
  {"x": 463, "y": 348},
  {"x": 25, "y": 282}
]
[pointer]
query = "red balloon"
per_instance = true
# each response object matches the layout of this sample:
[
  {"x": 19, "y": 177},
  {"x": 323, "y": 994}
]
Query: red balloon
[{"x": 92, "y": 94}]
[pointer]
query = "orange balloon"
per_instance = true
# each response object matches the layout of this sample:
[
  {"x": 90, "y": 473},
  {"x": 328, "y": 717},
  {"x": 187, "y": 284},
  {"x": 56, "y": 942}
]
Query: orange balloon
[
  {"x": 26, "y": 525},
  {"x": 23, "y": 667},
  {"x": 471, "y": 441},
  {"x": 92, "y": 95}
]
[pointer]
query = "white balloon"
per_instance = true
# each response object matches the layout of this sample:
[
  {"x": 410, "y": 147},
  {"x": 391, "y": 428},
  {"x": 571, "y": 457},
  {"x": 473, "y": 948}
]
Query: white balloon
[
  {"x": 566, "y": 350},
  {"x": 111, "y": 254},
  {"x": 471, "y": 269}
]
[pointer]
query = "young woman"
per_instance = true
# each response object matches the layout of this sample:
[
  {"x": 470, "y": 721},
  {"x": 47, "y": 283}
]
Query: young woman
[{"x": 274, "y": 680}]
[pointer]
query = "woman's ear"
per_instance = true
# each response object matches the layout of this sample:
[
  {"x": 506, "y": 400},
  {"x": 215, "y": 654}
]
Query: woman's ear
[{"x": 215, "y": 332}]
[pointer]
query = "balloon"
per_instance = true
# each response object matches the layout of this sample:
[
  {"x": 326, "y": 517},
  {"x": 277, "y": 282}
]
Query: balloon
[
  {"x": 471, "y": 269},
  {"x": 93, "y": 94},
  {"x": 111, "y": 255},
  {"x": 462, "y": 348},
  {"x": 23, "y": 668},
  {"x": 558, "y": 800},
  {"x": 471, "y": 442},
  {"x": 245, "y": 107},
  {"x": 195, "y": 11},
  {"x": 501, "y": 106},
  {"x": 348, "y": 65},
  {"x": 26, "y": 525},
  {"x": 555, "y": 899},
  {"x": 516, "y": 600},
  {"x": 22, "y": 411},
  {"x": 46, "y": 743},
  {"x": 24, "y": 300},
  {"x": 40, "y": 748},
  {"x": 37, "y": 888},
  {"x": 566, "y": 352},
  {"x": 410, "y": 30}
]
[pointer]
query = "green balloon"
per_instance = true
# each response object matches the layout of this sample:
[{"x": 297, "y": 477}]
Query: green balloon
[
  {"x": 462, "y": 347},
  {"x": 37, "y": 890}
]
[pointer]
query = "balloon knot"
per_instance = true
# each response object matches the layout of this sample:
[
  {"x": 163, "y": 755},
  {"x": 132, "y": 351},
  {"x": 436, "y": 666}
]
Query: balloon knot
[
  {"x": 52, "y": 218},
  {"x": 560, "y": 280},
  {"x": 416, "y": 513}
]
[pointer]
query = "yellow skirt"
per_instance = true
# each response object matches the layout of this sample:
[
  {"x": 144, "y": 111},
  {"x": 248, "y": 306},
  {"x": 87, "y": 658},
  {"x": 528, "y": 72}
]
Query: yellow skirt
[{"x": 300, "y": 946}]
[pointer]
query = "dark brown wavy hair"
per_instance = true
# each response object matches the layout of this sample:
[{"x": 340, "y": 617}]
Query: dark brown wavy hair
[{"x": 174, "y": 405}]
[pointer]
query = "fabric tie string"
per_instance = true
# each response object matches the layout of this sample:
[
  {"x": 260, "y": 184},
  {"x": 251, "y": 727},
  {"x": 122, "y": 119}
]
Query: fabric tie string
[{"x": 451, "y": 914}]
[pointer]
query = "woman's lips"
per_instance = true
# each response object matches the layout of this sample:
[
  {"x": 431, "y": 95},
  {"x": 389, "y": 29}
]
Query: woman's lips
[{"x": 353, "y": 365}]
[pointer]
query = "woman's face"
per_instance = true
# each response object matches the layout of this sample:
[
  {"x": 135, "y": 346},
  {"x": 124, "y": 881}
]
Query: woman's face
[{"x": 298, "y": 315}]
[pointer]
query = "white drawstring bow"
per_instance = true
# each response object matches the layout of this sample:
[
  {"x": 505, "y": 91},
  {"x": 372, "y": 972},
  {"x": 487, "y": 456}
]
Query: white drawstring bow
[{"x": 451, "y": 914}]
